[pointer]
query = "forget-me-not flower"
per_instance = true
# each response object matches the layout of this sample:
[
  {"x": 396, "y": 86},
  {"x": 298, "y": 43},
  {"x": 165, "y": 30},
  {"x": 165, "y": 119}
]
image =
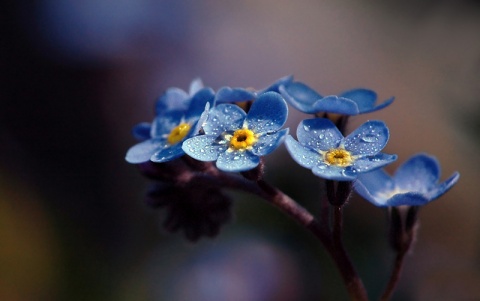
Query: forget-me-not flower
[
  {"x": 177, "y": 121},
  {"x": 415, "y": 183},
  {"x": 236, "y": 140},
  {"x": 239, "y": 95},
  {"x": 275, "y": 87},
  {"x": 323, "y": 149},
  {"x": 352, "y": 102},
  {"x": 173, "y": 99}
]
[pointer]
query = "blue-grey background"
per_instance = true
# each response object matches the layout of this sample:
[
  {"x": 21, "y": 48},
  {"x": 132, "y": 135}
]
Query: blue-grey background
[{"x": 77, "y": 75}]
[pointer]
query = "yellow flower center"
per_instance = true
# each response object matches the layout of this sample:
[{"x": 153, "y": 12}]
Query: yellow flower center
[
  {"x": 338, "y": 157},
  {"x": 242, "y": 139},
  {"x": 178, "y": 133}
]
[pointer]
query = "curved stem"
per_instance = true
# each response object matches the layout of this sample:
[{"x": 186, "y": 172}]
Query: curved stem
[
  {"x": 337, "y": 226},
  {"x": 394, "y": 277},
  {"x": 276, "y": 197}
]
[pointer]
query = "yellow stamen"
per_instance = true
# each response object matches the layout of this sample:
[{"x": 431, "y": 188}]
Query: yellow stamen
[
  {"x": 242, "y": 139},
  {"x": 178, "y": 133},
  {"x": 338, "y": 157}
]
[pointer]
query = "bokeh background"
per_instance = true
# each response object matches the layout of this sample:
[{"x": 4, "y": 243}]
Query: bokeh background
[{"x": 77, "y": 75}]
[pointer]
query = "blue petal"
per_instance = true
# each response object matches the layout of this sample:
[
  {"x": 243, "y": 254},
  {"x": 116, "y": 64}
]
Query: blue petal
[
  {"x": 319, "y": 134},
  {"x": 203, "y": 148},
  {"x": 167, "y": 154},
  {"x": 331, "y": 172},
  {"x": 163, "y": 125},
  {"x": 420, "y": 174},
  {"x": 274, "y": 87},
  {"x": 142, "y": 152},
  {"x": 172, "y": 99},
  {"x": 198, "y": 103},
  {"x": 335, "y": 104},
  {"x": 195, "y": 86},
  {"x": 237, "y": 161},
  {"x": 406, "y": 199},
  {"x": 142, "y": 131},
  {"x": 229, "y": 95},
  {"x": 368, "y": 139},
  {"x": 303, "y": 155},
  {"x": 371, "y": 184},
  {"x": 268, "y": 143},
  {"x": 386, "y": 103},
  {"x": 300, "y": 96},
  {"x": 224, "y": 117},
  {"x": 365, "y": 99},
  {"x": 267, "y": 114},
  {"x": 367, "y": 164},
  {"x": 443, "y": 187}
]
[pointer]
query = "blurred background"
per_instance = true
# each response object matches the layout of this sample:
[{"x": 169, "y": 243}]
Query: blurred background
[{"x": 77, "y": 75}]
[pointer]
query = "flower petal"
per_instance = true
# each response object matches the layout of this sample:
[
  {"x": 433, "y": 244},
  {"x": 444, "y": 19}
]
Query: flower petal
[
  {"x": 335, "y": 104},
  {"x": 195, "y": 86},
  {"x": 237, "y": 161},
  {"x": 368, "y": 139},
  {"x": 142, "y": 131},
  {"x": 172, "y": 99},
  {"x": 143, "y": 151},
  {"x": 224, "y": 117},
  {"x": 374, "y": 186},
  {"x": 443, "y": 187},
  {"x": 364, "y": 98},
  {"x": 331, "y": 172},
  {"x": 198, "y": 103},
  {"x": 274, "y": 87},
  {"x": 420, "y": 174},
  {"x": 406, "y": 199},
  {"x": 367, "y": 164},
  {"x": 268, "y": 113},
  {"x": 167, "y": 154},
  {"x": 269, "y": 142},
  {"x": 164, "y": 124},
  {"x": 300, "y": 96},
  {"x": 203, "y": 148},
  {"x": 229, "y": 95},
  {"x": 303, "y": 155},
  {"x": 319, "y": 134}
]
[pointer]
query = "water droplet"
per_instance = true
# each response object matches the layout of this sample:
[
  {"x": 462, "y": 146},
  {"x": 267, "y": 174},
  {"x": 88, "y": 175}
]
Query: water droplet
[
  {"x": 369, "y": 138},
  {"x": 306, "y": 128},
  {"x": 236, "y": 157},
  {"x": 321, "y": 136}
]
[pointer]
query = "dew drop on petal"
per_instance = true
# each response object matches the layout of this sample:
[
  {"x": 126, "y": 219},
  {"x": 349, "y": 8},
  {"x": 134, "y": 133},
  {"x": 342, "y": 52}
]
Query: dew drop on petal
[
  {"x": 369, "y": 138},
  {"x": 306, "y": 128}
]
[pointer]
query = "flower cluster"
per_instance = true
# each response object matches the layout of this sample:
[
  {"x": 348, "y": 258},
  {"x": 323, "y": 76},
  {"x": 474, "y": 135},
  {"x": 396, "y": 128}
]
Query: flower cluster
[
  {"x": 236, "y": 127},
  {"x": 204, "y": 141}
]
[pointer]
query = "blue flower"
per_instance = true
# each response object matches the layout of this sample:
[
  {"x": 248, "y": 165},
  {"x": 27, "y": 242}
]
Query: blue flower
[
  {"x": 173, "y": 99},
  {"x": 238, "y": 95},
  {"x": 237, "y": 140},
  {"x": 175, "y": 122},
  {"x": 415, "y": 183},
  {"x": 324, "y": 150},
  {"x": 352, "y": 102},
  {"x": 234, "y": 95},
  {"x": 275, "y": 87}
]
